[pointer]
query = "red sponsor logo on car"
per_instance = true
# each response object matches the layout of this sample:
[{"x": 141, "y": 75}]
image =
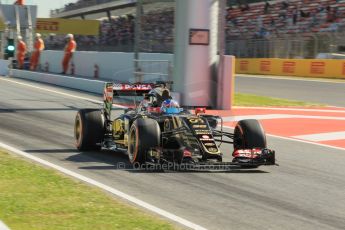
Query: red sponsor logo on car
[
  {"x": 265, "y": 66},
  {"x": 317, "y": 67},
  {"x": 132, "y": 87}
]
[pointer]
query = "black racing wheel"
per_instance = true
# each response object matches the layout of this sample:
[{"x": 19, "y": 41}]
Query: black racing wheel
[
  {"x": 249, "y": 134},
  {"x": 89, "y": 129},
  {"x": 144, "y": 134}
]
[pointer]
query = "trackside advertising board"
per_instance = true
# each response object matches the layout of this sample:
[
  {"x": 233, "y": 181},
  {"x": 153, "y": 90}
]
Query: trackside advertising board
[
  {"x": 326, "y": 68},
  {"x": 66, "y": 26}
]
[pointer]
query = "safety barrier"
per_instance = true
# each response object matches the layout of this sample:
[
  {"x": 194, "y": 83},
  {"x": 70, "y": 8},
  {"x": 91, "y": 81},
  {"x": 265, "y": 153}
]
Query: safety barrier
[
  {"x": 115, "y": 66},
  {"x": 224, "y": 95},
  {"x": 4, "y": 67},
  {"x": 88, "y": 85},
  {"x": 324, "y": 68}
]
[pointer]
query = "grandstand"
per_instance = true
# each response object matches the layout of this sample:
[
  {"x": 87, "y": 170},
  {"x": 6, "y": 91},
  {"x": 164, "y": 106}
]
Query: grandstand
[
  {"x": 277, "y": 19},
  {"x": 285, "y": 28},
  {"x": 280, "y": 28},
  {"x": 117, "y": 28}
]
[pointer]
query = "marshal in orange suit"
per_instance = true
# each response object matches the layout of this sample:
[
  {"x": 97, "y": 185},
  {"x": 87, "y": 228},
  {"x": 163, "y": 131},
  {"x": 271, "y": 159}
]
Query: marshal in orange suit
[
  {"x": 19, "y": 2},
  {"x": 21, "y": 51},
  {"x": 69, "y": 50},
  {"x": 38, "y": 47}
]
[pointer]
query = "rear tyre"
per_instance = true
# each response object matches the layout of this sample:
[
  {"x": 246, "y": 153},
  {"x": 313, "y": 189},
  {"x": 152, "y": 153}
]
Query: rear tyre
[
  {"x": 89, "y": 129},
  {"x": 144, "y": 134},
  {"x": 249, "y": 134}
]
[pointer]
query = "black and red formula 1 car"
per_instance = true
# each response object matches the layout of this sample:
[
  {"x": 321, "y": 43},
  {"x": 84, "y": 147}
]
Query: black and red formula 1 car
[{"x": 152, "y": 135}]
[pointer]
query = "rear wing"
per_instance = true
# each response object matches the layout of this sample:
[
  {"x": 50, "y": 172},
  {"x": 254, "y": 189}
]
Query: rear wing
[
  {"x": 112, "y": 90},
  {"x": 139, "y": 89}
]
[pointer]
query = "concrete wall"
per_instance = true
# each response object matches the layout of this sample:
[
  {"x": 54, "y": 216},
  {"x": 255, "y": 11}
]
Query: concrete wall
[
  {"x": 4, "y": 67},
  {"x": 117, "y": 67},
  {"x": 112, "y": 65},
  {"x": 93, "y": 86}
]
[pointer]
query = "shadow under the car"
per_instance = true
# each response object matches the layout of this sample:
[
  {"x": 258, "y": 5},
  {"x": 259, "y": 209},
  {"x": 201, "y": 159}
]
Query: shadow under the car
[
  {"x": 247, "y": 171},
  {"x": 116, "y": 160},
  {"x": 105, "y": 156},
  {"x": 51, "y": 150},
  {"x": 119, "y": 161}
]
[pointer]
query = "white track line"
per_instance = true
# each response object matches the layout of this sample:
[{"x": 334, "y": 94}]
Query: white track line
[
  {"x": 114, "y": 191},
  {"x": 307, "y": 142},
  {"x": 59, "y": 92},
  {"x": 279, "y": 116},
  {"x": 333, "y": 136},
  {"x": 297, "y": 140},
  {"x": 50, "y": 90},
  {"x": 3, "y": 226},
  {"x": 294, "y": 109},
  {"x": 321, "y": 80}
]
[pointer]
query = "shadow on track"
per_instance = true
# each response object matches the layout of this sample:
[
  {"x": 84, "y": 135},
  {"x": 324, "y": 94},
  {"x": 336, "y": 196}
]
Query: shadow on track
[
  {"x": 51, "y": 151},
  {"x": 68, "y": 108},
  {"x": 117, "y": 160}
]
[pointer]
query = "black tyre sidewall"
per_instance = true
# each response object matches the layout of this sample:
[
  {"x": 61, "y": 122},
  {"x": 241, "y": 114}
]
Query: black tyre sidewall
[
  {"x": 148, "y": 136},
  {"x": 250, "y": 134},
  {"x": 92, "y": 129}
]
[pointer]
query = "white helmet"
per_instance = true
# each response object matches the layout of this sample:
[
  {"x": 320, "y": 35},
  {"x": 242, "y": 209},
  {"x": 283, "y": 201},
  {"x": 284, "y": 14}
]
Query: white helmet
[
  {"x": 20, "y": 37},
  {"x": 70, "y": 36},
  {"x": 38, "y": 35}
]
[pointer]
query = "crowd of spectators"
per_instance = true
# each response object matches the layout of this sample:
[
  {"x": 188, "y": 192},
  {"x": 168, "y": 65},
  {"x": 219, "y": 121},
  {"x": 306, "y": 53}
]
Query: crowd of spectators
[
  {"x": 263, "y": 20},
  {"x": 114, "y": 33},
  {"x": 157, "y": 30},
  {"x": 278, "y": 18},
  {"x": 117, "y": 34}
]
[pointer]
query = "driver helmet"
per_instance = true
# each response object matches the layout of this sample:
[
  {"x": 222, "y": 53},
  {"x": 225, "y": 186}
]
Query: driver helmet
[{"x": 170, "y": 103}]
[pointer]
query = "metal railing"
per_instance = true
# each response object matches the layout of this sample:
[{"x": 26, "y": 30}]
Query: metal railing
[
  {"x": 293, "y": 46},
  {"x": 296, "y": 46},
  {"x": 153, "y": 70}
]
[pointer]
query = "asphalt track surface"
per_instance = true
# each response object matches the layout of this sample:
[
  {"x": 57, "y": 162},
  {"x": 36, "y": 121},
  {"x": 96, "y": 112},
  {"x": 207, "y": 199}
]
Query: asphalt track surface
[
  {"x": 305, "y": 192},
  {"x": 330, "y": 92}
]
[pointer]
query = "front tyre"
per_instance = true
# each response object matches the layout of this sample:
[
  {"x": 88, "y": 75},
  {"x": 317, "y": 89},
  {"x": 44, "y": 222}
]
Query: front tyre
[
  {"x": 249, "y": 134},
  {"x": 144, "y": 135},
  {"x": 89, "y": 129}
]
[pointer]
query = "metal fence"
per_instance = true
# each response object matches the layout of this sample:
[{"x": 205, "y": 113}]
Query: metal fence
[
  {"x": 293, "y": 46},
  {"x": 296, "y": 46},
  {"x": 153, "y": 70}
]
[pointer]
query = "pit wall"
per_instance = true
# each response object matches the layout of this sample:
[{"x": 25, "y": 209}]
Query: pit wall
[
  {"x": 83, "y": 84},
  {"x": 323, "y": 68},
  {"x": 112, "y": 65},
  {"x": 4, "y": 67},
  {"x": 86, "y": 82}
]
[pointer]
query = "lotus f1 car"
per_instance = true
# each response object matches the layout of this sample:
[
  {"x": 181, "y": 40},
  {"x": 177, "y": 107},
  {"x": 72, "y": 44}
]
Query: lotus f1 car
[{"x": 173, "y": 136}]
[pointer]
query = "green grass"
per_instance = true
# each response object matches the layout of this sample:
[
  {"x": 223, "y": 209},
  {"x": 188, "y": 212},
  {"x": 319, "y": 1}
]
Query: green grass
[
  {"x": 255, "y": 100},
  {"x": 33, "y": 197}
]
